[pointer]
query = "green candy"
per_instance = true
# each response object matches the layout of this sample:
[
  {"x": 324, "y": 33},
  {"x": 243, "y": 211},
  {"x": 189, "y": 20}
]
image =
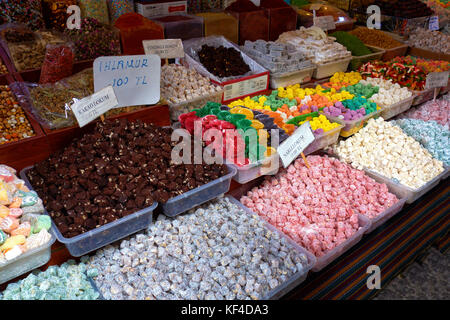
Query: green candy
[
  {"x": 28, "y": 198},
  {"x": 3, "y": 237},
  {"x": 244, "y": 124},
  {"x": 43, "y": 222},
  {"x": 222, "y": 115}
]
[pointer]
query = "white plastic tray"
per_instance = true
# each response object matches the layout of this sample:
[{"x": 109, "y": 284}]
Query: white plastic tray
[
  {"x": 28, "y": 261},
  {"x": 423, "y": 96},
  {"x": 328, "y": 69},
  {"x": 324, "y": 140},
  {"x": 290, "y": 78},
  {"x": 353, "y": 126},
  {"x": 176, "y": 109},
  {"x": 403, "y": 191},
  {"x": 391, "y": 111}
]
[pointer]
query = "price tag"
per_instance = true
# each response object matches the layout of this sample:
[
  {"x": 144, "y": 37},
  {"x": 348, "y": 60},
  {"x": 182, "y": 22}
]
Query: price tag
[
  {"x": 135, "y": 79},
  {"x": 325, "y": 23},
  {"x": 245, "y": 87},
  {"x": 295, "y": 144},
  {"x": 165, "y": 49},
  {"x": 92, "y": 107},
  {"x": 437, "y": 80},
  {"x": 434, "y": 23}
]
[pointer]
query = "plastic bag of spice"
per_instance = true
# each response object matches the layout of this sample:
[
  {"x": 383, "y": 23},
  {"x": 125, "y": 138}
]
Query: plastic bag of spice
[
  {"x": 97, "y": 9},
  {"x": 119, "y": 7},
  {"x": 48, "y": 102},
  {"x": 94, "y": 39},
  {"x": 58, "y": 63},
  {"x": 28, "y": 12}
]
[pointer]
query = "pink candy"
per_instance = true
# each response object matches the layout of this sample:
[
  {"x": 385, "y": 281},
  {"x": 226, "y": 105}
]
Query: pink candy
[
  {"x": 438, "y": 111},
  {"x": 318, "y": 207}
]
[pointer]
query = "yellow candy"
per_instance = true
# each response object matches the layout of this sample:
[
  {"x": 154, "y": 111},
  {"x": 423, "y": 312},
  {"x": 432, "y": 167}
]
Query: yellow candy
[
  {"x": 269, "y": 151},
  {"x": 350, "y": 77},
  {"x": 257, "y": 124},
  {"x": 12, "y": 242},
  {"x": 4, "y": 211}
]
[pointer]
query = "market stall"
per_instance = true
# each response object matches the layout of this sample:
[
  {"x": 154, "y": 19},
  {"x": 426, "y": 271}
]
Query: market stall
[{"x": 307, "y": 153}]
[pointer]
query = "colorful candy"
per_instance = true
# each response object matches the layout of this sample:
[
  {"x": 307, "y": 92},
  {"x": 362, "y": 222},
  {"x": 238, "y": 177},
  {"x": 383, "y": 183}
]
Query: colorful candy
[{"x": 20, "y": 212}]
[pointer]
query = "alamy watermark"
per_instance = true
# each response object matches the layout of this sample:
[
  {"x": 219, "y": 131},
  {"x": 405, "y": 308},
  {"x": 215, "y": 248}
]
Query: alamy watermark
[
  {"x": 374, "y": 280},
  {"x": 374, "y": 20},
  {"x": 74, "y": 20}
]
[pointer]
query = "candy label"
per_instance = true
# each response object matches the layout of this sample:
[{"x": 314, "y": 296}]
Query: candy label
[
  {"x": 165, "y": 49},
  {"x": 325, "y": 23},
  {"x": 433, "y": 25},
  {"x": 437, "y": 80},
  {"x": 245, "y": 87},
  {"x": 135, "y": 79},
  {"x": 295, "y": 144},
  {"x": 92, "y": 107}
]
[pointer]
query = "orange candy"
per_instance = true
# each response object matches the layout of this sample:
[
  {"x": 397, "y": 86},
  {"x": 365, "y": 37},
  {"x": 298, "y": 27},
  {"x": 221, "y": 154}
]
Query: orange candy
[
  {"x": 17, "y": 202},
  {"x": 23, "y": 229},
  {"x": 8, "y": 224}
]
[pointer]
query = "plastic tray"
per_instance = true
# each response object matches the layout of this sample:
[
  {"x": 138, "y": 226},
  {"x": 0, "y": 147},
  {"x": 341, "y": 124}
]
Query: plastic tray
[
  {"x": 353, "y": 126},
  {"x": 104, "y": 235},
  {"x": 328, "y": 69},
  {"x": 387, "y": 214},
  {"x": 446, "y": 173},
  {"x": 399, "y": 51},
  {"x": 253, "y": 171},
  {"x": 376, "y": 54},
  {"x": 296, "y": 278},
  {"x": 403, "y": 191},
  {"x": 388, "y": 112},
  {"x": 289, "y": 78},
  {"x": 199, "y": 195},
  {"x": 28, "y": 261},
  {"x": 177, "y": 109},
  {"x": 333, "y": 254},
  {"x": 324, "y": 140},
  {"x": 423, "y": 96}
]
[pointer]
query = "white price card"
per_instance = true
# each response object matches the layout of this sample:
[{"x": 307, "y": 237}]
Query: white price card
[
  {"x": 437, "y": 80},
  {"x": 325, "y": 23},
  {"x": 135, "y": 79},
  {"x": 165, "y": 49},
  {"x": 245, "y": 87},
  {"x": 433, "y": 24},
  {"x": 92, "y": 107},
  {"x": 295, "y": 144}
]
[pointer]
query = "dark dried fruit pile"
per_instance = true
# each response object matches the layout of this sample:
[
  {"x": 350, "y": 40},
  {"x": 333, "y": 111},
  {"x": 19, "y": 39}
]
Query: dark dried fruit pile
[
  {"x": 120, "y": 168},
  {"x": 223, "y": 62}
]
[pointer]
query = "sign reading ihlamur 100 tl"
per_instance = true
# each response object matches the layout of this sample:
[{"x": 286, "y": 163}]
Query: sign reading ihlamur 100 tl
[{"x": 135, "y": 79}]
